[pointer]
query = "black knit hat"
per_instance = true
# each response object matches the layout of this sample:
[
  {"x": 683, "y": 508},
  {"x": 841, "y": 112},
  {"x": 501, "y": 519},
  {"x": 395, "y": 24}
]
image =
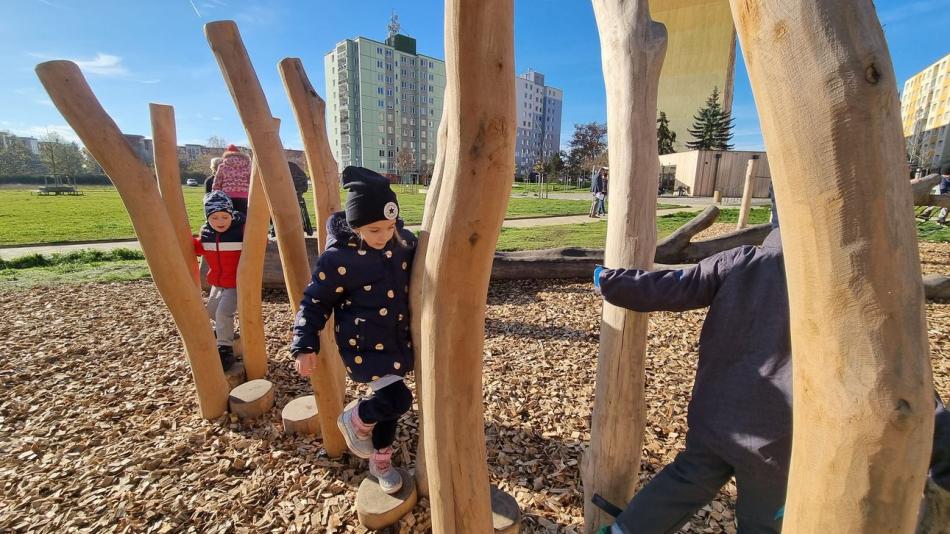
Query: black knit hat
[
  {"x": 218, "y": 201},
  {"x": 369, "y": 198}
]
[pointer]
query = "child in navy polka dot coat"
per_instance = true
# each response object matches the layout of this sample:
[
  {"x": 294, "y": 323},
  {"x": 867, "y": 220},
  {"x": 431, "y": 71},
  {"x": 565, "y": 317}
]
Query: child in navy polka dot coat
[{"x": 363, "y": 280}]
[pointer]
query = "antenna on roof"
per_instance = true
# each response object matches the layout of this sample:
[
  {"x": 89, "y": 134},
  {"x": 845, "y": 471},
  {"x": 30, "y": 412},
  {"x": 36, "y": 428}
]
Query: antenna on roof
[{"x": 393, "y": 25}]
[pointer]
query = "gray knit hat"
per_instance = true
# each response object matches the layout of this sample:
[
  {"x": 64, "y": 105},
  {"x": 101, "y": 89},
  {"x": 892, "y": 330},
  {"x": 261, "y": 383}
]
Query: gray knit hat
[{"x": 218, "y": 201}]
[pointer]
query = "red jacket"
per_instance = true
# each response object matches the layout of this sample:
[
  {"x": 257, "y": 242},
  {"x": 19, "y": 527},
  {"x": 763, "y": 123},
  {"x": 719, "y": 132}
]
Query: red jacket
[{"x": 222, "y": 251}]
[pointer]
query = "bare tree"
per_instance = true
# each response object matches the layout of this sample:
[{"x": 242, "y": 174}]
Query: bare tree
[
  {"x": 405, "y": 162},
  {"x": 217, "y": 142}
]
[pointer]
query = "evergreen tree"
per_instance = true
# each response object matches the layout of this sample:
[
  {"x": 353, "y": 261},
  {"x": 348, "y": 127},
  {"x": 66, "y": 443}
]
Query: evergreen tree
[
  {"x": 665, "y": 138},
  {"x": 712, "y": 126}
]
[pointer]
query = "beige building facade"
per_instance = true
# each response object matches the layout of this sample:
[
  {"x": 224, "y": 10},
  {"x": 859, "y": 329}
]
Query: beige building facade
[
  {"x": 699, "y": 173},
  {"x": 925, "y": 110},
  {"x": 700, "y": 56}
]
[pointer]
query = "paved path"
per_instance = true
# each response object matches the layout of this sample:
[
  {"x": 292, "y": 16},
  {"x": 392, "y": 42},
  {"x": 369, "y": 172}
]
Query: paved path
[{"x": 16, "y": 252}]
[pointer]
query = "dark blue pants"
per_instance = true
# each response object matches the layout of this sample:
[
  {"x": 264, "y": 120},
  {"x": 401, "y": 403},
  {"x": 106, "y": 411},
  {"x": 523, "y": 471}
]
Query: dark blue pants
[
  {"x": 692, "y": 481},
  {"x": 384, "y": 409}
]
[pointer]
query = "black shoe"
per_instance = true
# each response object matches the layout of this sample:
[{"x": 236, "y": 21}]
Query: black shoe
[{"x": 227, "y": 356}]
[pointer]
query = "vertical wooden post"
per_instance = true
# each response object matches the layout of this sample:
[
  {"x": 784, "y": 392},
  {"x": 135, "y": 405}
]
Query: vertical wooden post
[
  {"x": 165, "y": 146},
  {"x": 632, "y": 51},
  {"x": 746, "y": 195},
  {"x": 74, "y": 99},
  {"x": 329, "y": 380},
  {"x": 863, "y": 398},
  {"x": 473, "y": 197},
  {"x": 245, "y": 88},
  {"x": 250, "y": 278},
  {"x": 418, "y": 282}
]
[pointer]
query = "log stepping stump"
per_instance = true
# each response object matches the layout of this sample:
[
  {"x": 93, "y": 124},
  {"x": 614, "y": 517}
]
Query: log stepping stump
[
  {"x": 252, "y": 399},
  {"x": 376, "y": 509},
  {"x": 300, "y": 416},
  {"x": 236, "y": 375},
  {"x": 505, "y": 514}
]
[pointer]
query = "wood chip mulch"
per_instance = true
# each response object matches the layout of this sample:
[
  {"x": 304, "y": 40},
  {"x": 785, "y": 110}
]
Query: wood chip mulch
[{"x": 99, "y": 429}]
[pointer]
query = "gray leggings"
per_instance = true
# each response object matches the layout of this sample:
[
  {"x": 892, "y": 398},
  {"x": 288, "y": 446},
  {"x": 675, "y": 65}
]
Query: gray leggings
[
  {"x": 222, "y": 305},
  {"x": 668, "y": 501}
]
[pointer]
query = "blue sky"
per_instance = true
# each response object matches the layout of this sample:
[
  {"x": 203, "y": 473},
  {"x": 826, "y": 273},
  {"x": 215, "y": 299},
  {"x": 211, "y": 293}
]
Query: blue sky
[{"x": 138, "y": 52}]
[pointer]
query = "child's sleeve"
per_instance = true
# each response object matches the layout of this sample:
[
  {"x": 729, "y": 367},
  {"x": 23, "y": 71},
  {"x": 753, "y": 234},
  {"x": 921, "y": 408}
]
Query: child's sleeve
[
  {"x": 666, "y": 290},
  {"x": 321, "y": 295}
]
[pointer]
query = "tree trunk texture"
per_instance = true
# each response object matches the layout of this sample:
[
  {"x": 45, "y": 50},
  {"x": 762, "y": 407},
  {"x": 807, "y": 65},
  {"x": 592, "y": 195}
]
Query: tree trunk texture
[
  {"x": 245, "y": 88},
  {"x": 417, "y": 284},
  {"x": 863, "y": 398},
  {"x": 329, "y": 379},
  {"x": 477, "y": 173},
  {"x": 746, "y": 195},
  {"x": 165, "y": 146},
  {"x": 632, "y": 51},
  {"x": 154, "y": 229},
  {"x": 250, "y": 278}
]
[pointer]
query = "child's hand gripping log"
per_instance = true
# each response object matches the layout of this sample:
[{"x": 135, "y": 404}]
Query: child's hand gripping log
[{"x": 306, "y": 363}]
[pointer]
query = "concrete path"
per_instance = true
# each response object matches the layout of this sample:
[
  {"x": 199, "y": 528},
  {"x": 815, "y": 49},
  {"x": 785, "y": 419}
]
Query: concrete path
[{"x": 16, "y": 252}]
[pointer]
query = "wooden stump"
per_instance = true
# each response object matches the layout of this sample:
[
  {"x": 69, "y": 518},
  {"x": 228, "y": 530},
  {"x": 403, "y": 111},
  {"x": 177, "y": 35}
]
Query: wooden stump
[
  {"x": 505, "y": 514},
  {"x": 376, "y": 509},
  {"x": 252, "y": 399},
  {"x": 237, "y": 346},
  {"x": 236, "y": 375},
  {"x": 300, "y": 416}
]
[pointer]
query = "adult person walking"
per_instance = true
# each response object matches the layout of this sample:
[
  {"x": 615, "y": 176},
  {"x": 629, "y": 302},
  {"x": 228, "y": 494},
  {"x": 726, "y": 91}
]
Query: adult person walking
[{"x": 598, "y": 189}]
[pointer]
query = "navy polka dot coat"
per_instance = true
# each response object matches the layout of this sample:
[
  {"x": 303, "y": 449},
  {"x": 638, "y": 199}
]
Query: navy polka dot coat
[{"x": 367, "y": 291}]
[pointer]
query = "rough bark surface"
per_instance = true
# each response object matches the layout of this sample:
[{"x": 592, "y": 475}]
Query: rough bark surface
[
  {"x": 329, "y": 379},
  {"x": 632, "y": 51},
  {"x": 863, "y": 397},
  {"x": 73, "y": 98},
  {"x": 473, "y": 196}
]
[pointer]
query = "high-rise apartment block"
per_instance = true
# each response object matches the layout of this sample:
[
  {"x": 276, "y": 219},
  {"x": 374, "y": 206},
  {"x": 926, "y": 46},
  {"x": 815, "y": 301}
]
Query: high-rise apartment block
[
  {"x": 539, "y": 121},
  {"x": 384, "y": 105},
  {"x": 925, "y": 109}
]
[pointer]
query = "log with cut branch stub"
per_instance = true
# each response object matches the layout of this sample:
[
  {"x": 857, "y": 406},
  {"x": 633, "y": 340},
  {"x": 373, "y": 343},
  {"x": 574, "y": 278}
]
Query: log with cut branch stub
[
  {"x": 863, "y": 395},
  {"x": 923, "y": 192},
  {"x": 632, "y": 50},
  {"x": 136, "y": 185}
]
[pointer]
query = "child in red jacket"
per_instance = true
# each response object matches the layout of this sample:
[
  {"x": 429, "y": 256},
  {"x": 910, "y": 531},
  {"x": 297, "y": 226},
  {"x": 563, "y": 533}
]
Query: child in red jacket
[{"x": 220, "y": 242}]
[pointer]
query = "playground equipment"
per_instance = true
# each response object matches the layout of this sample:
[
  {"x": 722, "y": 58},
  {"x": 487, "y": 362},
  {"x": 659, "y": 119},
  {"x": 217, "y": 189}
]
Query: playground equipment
[{"x": 862, "y": 376}]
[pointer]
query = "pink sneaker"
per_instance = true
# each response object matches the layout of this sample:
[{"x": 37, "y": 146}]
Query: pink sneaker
[
  {"x": 381, "y": 467},
  {"x": 358, "y": 435}
]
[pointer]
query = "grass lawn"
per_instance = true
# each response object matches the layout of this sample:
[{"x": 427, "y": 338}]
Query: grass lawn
[{"x": 100, "y": 215}]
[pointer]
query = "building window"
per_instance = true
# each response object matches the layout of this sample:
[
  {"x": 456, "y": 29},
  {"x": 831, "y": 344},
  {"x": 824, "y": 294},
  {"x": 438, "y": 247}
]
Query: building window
[
  {"x": 379, "y": 50},
  {"x": 379, "y": 64},
  {"x": 382, "y": 103}
]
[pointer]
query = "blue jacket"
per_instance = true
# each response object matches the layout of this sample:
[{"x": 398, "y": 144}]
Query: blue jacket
[
  {"x": 367, "y": 291},
  {"x": 597, "y": 184},
  {"x": 742, "y": 398}
]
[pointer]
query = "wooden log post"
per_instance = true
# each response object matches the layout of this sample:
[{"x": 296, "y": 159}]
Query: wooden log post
[
  {"x": 250, "y": 276},
  {"x": 73, "y": 98},
  {"x": 632, "y": 50},
  {"x": 417, "y": 284},
  {"x": 165, "y": 147},
  {"x": 329, "y": 379},
  {"x": 863, "y": 397},
  {"x": 245, "y": 88},
  {"x": 473, "y": 196},
  {"x": 746, "y": 195}
]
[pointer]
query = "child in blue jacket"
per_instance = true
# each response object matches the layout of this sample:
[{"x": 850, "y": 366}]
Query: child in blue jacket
[{"x": 363, "y": 279}]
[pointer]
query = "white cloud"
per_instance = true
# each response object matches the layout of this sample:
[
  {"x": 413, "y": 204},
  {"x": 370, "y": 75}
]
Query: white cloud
[
  {"x": 151, "y": 81},
  {"x": 44, "y": 102},
  {"x": 103, "y": 64},
  {"x": 215, "y": 118}
]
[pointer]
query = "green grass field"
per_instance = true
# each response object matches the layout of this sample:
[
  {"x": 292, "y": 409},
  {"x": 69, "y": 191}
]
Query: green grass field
[{"x": 100, "y": 215}]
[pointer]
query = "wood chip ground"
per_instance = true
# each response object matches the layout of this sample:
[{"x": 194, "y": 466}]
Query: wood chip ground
[{"x": 99, "y": 429}]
